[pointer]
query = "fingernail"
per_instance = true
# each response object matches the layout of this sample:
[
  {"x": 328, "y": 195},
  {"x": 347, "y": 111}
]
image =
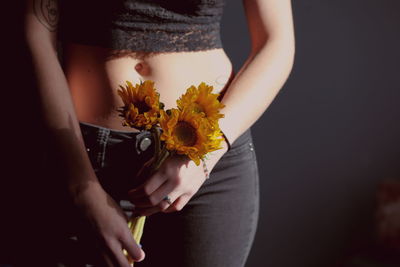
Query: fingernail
[{"x": 144, "y": 255}]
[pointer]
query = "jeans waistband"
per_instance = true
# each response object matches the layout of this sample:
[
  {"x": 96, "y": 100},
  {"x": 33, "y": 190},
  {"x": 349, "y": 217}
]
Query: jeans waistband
[
  {"x": 98, "y": 140},
  {"x": 92, "y": 127},
  {"x": 103, "y": 134}
]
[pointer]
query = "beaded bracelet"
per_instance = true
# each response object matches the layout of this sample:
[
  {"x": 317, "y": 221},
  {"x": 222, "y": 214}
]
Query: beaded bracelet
[{"x": 206, "y": 172}]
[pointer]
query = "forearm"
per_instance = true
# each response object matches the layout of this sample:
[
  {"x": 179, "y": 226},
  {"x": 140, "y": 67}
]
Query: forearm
[
  {"x": 255, "y": 86},
  {"x": 60, "y": 120},
  {"x": 252, "y": 91},
  {"x": 58, "y": 115}
]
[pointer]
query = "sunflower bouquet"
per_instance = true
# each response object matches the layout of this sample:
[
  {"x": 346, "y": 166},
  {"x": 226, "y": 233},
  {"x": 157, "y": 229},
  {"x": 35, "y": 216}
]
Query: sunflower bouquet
[{"x": 190, "y": 129}]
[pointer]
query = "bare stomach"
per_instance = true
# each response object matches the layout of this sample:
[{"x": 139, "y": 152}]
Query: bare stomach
[{"x": 95, "y": 73}]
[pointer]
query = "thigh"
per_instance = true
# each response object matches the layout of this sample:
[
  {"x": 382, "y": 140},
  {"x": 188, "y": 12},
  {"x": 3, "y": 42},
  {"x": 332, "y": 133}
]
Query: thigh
[{"x": 217, "y": 226}]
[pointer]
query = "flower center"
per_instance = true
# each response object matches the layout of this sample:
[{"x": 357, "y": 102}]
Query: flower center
[
  {"x": 142, "y": 107},
  {"x": 185, "y": 133}
]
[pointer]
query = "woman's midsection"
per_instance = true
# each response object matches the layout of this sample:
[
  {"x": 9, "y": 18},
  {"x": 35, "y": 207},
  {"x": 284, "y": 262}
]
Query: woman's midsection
[{"x": 94, "y": 75}]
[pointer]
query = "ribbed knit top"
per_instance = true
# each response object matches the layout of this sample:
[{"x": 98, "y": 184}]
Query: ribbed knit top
[{"x": 142, "y": 25}]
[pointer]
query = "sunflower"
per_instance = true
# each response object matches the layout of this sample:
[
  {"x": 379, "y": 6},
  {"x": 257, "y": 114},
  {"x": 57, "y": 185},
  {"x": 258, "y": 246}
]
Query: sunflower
[
  {"x": 141, "y": 104},
  {"x": 201, "y": 100},
  {"x": 216, "y": 138},
  {"x": 186, "y": 132}
]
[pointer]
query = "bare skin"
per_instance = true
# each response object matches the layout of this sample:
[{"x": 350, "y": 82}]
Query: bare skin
[
  {"x": 85, "y": 90},
  {"x": 94, "y": 74}
]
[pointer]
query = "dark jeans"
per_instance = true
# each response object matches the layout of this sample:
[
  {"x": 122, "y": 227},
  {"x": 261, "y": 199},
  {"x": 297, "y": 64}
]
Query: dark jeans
[{"x": 216, "y": 227}]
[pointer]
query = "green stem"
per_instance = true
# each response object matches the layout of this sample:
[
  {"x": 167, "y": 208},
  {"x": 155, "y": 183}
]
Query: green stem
[
  {"x": 156, "y": 135},
  {"x": 163, "y": 156},
  {"x": 161, "y": 153}
]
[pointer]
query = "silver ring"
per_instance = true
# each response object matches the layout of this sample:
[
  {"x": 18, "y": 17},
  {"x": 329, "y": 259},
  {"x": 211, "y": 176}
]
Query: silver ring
[{"x": 168, "y": 199}]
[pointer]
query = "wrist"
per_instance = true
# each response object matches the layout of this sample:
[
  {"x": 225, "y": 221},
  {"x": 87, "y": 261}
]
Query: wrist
[
  {"x": 84, "y": 193},
  {"x": 212, "y": 158}
]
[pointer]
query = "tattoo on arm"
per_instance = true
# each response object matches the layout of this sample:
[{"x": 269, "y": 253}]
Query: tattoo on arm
[{"x": 46, "y": 11}]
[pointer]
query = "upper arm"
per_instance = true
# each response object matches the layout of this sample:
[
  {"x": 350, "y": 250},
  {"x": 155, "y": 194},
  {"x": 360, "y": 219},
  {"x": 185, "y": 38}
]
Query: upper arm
[
  {"x": 41, "y": 21},
  {"x": 269, "y": 20}
]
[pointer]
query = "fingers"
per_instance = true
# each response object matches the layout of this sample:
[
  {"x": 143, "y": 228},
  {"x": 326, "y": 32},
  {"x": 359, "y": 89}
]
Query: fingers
[
  {"x": 155, "y": 198},
  {"x": 148, "y": 187},
  {"x": 117, "y": 255},
  {"x": 161, "y": 206},
  {"x": 133, "y": 249},
  {"x": 172, "y": 180},
  {"x": 146, "y": 211},
  {"x": 179, "y": 195},
  {"x": 110, "y": 256},
  {"x": 178, "y": 204},
  {"x": 107, "y": 261}
]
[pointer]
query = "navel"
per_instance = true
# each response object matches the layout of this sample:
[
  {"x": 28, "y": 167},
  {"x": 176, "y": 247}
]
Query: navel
[{"x": 142, "y": 68}]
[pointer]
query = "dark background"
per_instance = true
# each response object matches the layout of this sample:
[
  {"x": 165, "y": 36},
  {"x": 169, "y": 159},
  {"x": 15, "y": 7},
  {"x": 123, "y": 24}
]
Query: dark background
[{"x": 331, "y": 134}]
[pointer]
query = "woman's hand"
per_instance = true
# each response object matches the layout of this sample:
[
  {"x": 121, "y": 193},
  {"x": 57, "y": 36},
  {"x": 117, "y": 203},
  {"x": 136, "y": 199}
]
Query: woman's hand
[
  {"x": 178, "y": 177},
  {"x": 108, "y": 225}
]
